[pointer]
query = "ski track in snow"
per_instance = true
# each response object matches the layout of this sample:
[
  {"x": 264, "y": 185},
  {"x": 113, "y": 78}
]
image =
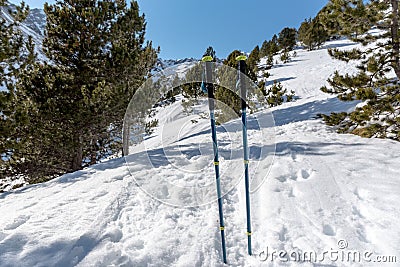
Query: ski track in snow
[{"x": 322, "y": 188}]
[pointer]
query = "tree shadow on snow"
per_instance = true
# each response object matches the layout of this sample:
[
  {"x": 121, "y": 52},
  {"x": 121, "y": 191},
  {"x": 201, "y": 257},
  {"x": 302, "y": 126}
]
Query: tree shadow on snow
[
  {"x": 309, "y": 148},
  {"x": 76, "y": 176},
  {"x": 162, "y": 156},
  {"x": 310, "y": 110},
  {"x": 327, "y": 46},
  {"x": 57, "y": 253},
  {"x": 279, "y": 80}
]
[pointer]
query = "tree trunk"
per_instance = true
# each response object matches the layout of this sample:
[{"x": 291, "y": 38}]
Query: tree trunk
[
  {"x": 93, "y": 154},
  {"x": 395, "y": 37},
  {"x": 93, "y": 158},
  {"x": 76, "y": 163}
]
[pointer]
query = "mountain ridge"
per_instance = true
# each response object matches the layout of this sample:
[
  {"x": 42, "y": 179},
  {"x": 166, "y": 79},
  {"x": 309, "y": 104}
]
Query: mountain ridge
[{"x": 35, "y": 24}]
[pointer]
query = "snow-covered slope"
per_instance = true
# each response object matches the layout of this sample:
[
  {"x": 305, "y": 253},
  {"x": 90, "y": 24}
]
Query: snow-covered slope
[
  {"x": 36, "y": 20},
  {"x": 332, "y": 195}
]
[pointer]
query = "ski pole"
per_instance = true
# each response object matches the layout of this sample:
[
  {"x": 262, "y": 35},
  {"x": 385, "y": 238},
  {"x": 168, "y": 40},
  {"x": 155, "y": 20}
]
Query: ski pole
[
  {"x": 243, "y": 93},
  {"x": 210, "y": 91}
]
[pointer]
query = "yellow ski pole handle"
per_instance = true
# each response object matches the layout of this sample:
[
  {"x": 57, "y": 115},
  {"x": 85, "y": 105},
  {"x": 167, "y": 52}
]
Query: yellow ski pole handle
[
  {"x": 207, "y": 58},
  {"x": 241, "y": 57}
]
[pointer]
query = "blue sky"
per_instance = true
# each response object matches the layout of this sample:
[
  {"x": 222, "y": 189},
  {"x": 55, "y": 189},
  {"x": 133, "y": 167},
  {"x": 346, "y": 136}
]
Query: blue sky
[{"x": 185, "y": 28}]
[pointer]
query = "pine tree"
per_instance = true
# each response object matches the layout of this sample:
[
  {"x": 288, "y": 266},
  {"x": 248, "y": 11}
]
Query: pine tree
[
  {"x": 287, "y": 39},
  {"x": 329, "y": 18},
  {"x": 312, "y": 33},
  {"x": 274, "y": 45},
  {"x": 285, "y": 56},
  {"x": 16, "y": 55},
  {"x": 269, "y": 49},
  {"x": 210, "y": 52},
  {"x": 98, "y": 58},
  {"x": 270, "y": 62},
  {"x": 380, "y": 114},
  {"x": 319, "y": 34},
  {"x": 276, "y": 95},
  {"x": 264, "y": 49},
  {"x": 253, "y": 59},
  {"x": 228, "y": 101},
  {"x": 176, "y": 88},
  {"x": 191, "y": 87},
  {"x": 14, "y": 49},
  {"x": 304, "y": 34},
  {"x": 349, "y": 18}
]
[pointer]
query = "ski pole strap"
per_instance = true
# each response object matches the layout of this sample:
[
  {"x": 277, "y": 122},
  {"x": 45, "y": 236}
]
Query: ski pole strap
[
  {"x": 222, "y": 228},
  {"x": 246, "y": 161},
  {"x": 216, "y": 162},
  {"x": 203, "y": 87},
  {"x": 248, "y": 233}
]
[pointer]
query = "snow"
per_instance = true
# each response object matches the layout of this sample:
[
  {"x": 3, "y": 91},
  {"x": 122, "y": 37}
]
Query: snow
[
  {"x": 322, "y": 192},
  {"x": 171, "y": 67}
]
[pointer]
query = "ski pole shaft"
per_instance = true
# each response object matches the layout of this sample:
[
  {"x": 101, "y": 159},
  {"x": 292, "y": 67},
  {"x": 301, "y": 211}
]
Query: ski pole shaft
[
  {"x": 243, "y": 96},
  {"x": 211, "y": 106}
]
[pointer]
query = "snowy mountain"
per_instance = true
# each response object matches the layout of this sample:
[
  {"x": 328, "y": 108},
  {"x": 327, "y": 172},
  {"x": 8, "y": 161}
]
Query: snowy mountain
[
  {"x": 32, "y": 26},
  {"x": 168, "y": 63},
  {"x": 36, "y": 19},
  {"x": 178, "y": 66},
  {"x": 324, "y": 199}
]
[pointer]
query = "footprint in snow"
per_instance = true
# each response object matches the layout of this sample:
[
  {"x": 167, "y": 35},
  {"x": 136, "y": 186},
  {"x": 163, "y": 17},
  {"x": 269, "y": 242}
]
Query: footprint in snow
[
  {"x": 328, "y": 230},
  {"x": 293, "y": 156},
  {"x": 277, "y": 190},
  {"x": 357, "y": 212},
  {"x": 361, "y": 233},
  {"x": 136, "y": 245},
  {"x": 293, "y": 177},
  {"x": 294, "y": 192},
  {"x": 303, "y": 174},
  {"x": 113, "y": 234},
  {"x": 17, "y": 223},
  {"x": 361, "y": 194},
  {"x": 282, "y": 234},
  {"x": 281, "y": 179},
  {"x": 291, "y": 193}
]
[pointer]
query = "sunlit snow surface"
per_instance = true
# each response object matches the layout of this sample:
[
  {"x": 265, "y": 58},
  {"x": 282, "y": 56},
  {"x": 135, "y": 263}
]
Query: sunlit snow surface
[{"x": 324, "y": 192}]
